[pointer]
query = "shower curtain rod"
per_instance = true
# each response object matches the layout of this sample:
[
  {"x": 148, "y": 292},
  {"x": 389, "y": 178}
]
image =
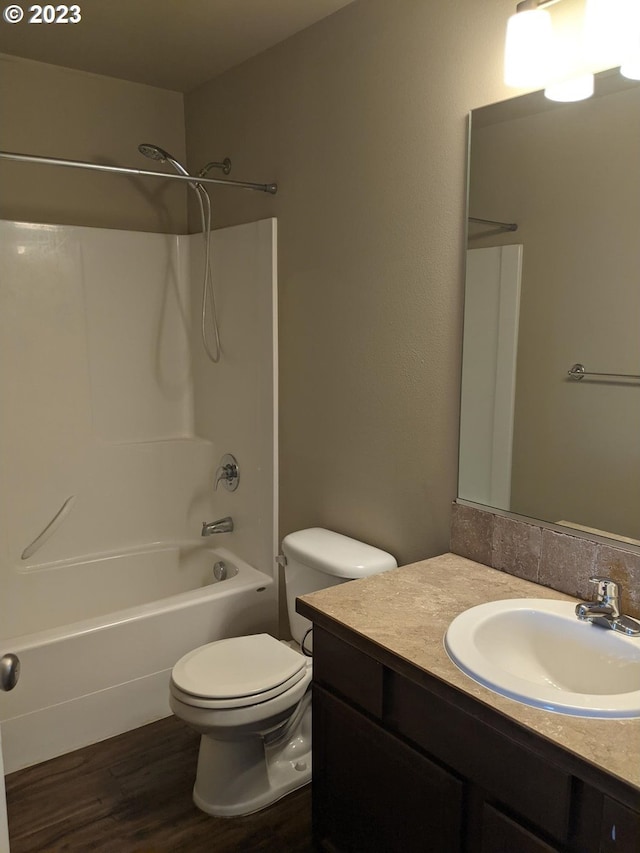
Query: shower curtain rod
[
  {"x": 123, "y": 170},
  {"x": 503, "y": 226}
]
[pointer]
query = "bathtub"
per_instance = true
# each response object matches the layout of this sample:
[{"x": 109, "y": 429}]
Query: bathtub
[{"x": 86, "y": 679}]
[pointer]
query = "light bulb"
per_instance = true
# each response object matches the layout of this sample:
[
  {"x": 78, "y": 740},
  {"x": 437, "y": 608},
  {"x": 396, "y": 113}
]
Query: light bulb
[
  {"x": 527, "y": 49},
  {"x": 576, "y": 88},
  {"x": 631, "y": 67},
  {"x": 608, "y": 31}
]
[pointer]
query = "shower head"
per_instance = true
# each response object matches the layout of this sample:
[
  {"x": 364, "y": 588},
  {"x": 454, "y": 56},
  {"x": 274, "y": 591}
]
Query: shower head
[{"x": 154, "y": 152}]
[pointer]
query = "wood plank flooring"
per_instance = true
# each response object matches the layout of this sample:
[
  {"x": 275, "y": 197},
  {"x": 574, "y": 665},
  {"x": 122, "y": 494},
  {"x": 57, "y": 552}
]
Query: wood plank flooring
[{"x": 132, "y": 794}]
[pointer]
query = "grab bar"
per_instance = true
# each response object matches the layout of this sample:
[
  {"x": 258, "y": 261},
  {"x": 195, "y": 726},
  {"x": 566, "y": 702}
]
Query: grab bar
[
  {"x": 50, "y": 529},
  {"x": 578, "y": 372}
]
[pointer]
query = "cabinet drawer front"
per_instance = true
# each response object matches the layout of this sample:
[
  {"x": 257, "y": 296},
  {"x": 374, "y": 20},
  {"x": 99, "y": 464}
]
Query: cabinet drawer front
[
  {"x": 620, "y": 828},
  {"x": 500, "y": 834},
  {"x": 347, "y": 671},
  {"x": 373, "y": 793},
  {"x": 523, "y": 781}
]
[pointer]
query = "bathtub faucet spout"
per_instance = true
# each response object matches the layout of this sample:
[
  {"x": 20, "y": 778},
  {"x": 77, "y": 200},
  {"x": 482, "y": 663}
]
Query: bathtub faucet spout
[{"x": 222, "y": 525}]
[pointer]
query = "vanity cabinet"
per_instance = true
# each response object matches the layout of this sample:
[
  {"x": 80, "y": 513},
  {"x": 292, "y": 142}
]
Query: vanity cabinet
[{"x": 403, "y": 762}]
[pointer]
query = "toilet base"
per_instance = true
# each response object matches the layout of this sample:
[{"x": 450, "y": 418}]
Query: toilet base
[{"x": 241, "y": 777}]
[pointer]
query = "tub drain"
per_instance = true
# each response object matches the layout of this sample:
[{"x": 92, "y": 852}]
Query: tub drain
[{"x": 220, "y": 571}]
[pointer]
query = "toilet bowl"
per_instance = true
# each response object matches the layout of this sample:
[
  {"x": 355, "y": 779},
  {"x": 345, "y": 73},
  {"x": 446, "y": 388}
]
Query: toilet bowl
[
  {"x": 249, "y": 697},
  {"x": 239, "y": 694}
]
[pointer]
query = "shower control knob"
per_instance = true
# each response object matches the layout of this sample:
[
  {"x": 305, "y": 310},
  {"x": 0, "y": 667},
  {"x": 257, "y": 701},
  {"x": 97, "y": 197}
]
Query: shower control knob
[
  {"x": 9, "y": 671},
  {"x": 228, "y": 473}
]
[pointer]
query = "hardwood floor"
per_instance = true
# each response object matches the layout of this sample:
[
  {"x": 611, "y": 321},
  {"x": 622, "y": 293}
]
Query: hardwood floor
[{"x": 132, "y": 794}]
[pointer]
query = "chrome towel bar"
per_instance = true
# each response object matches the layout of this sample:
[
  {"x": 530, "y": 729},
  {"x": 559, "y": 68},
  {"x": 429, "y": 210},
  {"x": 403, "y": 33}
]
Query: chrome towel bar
[{"x": 578, "y": 372}]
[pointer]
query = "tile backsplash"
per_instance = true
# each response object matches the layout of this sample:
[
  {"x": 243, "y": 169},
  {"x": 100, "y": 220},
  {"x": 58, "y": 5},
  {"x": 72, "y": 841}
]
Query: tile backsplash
[{"x": 555, "y": 559}]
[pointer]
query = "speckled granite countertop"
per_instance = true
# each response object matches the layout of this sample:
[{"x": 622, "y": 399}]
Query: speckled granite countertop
[{"x": 406, "y": 611}]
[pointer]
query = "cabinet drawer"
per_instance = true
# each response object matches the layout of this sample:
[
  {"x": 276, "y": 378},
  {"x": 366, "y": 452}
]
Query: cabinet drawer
[
  {"x": 620, "y": 828},
  {"x": 523, "y": 781},
  {"x": 500, "y": 834},
  {"x": 347, "y": 671}
]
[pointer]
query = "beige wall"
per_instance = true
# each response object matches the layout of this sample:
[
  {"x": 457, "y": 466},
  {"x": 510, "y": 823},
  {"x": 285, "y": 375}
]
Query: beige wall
[
  {"x": 362, "y": 121},
  {"x": 56, "y": 112},
  {"x": 567, "y": 177}
]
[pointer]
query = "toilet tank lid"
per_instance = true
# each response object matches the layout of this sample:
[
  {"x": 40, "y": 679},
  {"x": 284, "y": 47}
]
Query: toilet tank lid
[{"x": 336, "y": 554}]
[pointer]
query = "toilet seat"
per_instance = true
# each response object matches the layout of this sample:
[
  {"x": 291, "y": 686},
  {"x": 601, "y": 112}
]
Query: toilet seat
[
  {"x": 237, "y": 672},
  {"x": 239, "y": 701}
]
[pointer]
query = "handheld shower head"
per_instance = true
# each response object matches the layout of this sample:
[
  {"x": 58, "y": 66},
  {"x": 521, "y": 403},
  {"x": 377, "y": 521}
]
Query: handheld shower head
[{"x": 154, "y": 152}]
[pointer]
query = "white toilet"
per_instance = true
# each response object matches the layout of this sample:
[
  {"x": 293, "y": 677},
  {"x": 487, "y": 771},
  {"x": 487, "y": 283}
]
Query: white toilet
[{"x": 249, "y": 697}]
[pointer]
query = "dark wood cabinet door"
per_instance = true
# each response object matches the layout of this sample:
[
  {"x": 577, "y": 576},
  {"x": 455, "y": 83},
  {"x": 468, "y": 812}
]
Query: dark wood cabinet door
[
  {"x": 500, "y": 834},
  {"x": 620, "y": 828},
  {"x": 373, "y": 793}
]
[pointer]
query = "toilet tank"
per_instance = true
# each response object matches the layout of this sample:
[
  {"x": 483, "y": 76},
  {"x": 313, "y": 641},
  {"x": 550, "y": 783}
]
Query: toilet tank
[{"x": 319, "y": 558}]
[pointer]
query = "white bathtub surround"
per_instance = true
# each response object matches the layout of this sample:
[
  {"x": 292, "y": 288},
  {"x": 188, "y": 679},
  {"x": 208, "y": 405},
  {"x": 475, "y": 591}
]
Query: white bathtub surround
[
  {"x": 108, "y": 396},
  {"x": 108, "y": 399},
  {"x": 235, "y": 401}
]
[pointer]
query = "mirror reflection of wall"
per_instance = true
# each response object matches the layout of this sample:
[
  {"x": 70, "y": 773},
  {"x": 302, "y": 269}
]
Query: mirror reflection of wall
[{"x": 569, "y": 176}]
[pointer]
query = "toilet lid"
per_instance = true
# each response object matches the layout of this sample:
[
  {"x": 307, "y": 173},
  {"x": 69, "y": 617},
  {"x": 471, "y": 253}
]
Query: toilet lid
[
  {"x": 259, "y": 700},
  {"x": 240, "y": 666}
]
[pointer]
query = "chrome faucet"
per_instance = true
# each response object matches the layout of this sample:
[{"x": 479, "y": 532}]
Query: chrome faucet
[
  {"x": 222, "y": 525},
  {"x": 605, "y": 610}
]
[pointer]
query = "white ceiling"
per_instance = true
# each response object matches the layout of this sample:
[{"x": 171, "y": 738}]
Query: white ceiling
[{"x": 173, "y": 44}]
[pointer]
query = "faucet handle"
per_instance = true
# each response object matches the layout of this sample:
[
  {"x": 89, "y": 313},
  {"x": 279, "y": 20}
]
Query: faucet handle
[
  {"x": 607, "y": 590},
  {"x": 228, "y": 473}
]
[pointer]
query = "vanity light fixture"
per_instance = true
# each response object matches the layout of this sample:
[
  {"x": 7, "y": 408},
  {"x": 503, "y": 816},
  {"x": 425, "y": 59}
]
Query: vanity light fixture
[
  {"x": 536, "y": 57},
  {"x": 528, "y": 45}
]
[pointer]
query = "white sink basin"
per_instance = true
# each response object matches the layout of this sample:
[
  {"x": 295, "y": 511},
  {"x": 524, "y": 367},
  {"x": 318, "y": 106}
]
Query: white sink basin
[{"x": 538, "y": 652}]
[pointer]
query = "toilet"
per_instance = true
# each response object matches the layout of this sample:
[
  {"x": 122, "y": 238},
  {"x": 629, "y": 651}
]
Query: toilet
[{"x": 250, "y": 698}]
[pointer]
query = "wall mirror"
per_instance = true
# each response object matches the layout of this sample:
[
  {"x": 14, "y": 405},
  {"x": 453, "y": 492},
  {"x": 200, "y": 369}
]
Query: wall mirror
[{"x": 553, "y": 281}]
